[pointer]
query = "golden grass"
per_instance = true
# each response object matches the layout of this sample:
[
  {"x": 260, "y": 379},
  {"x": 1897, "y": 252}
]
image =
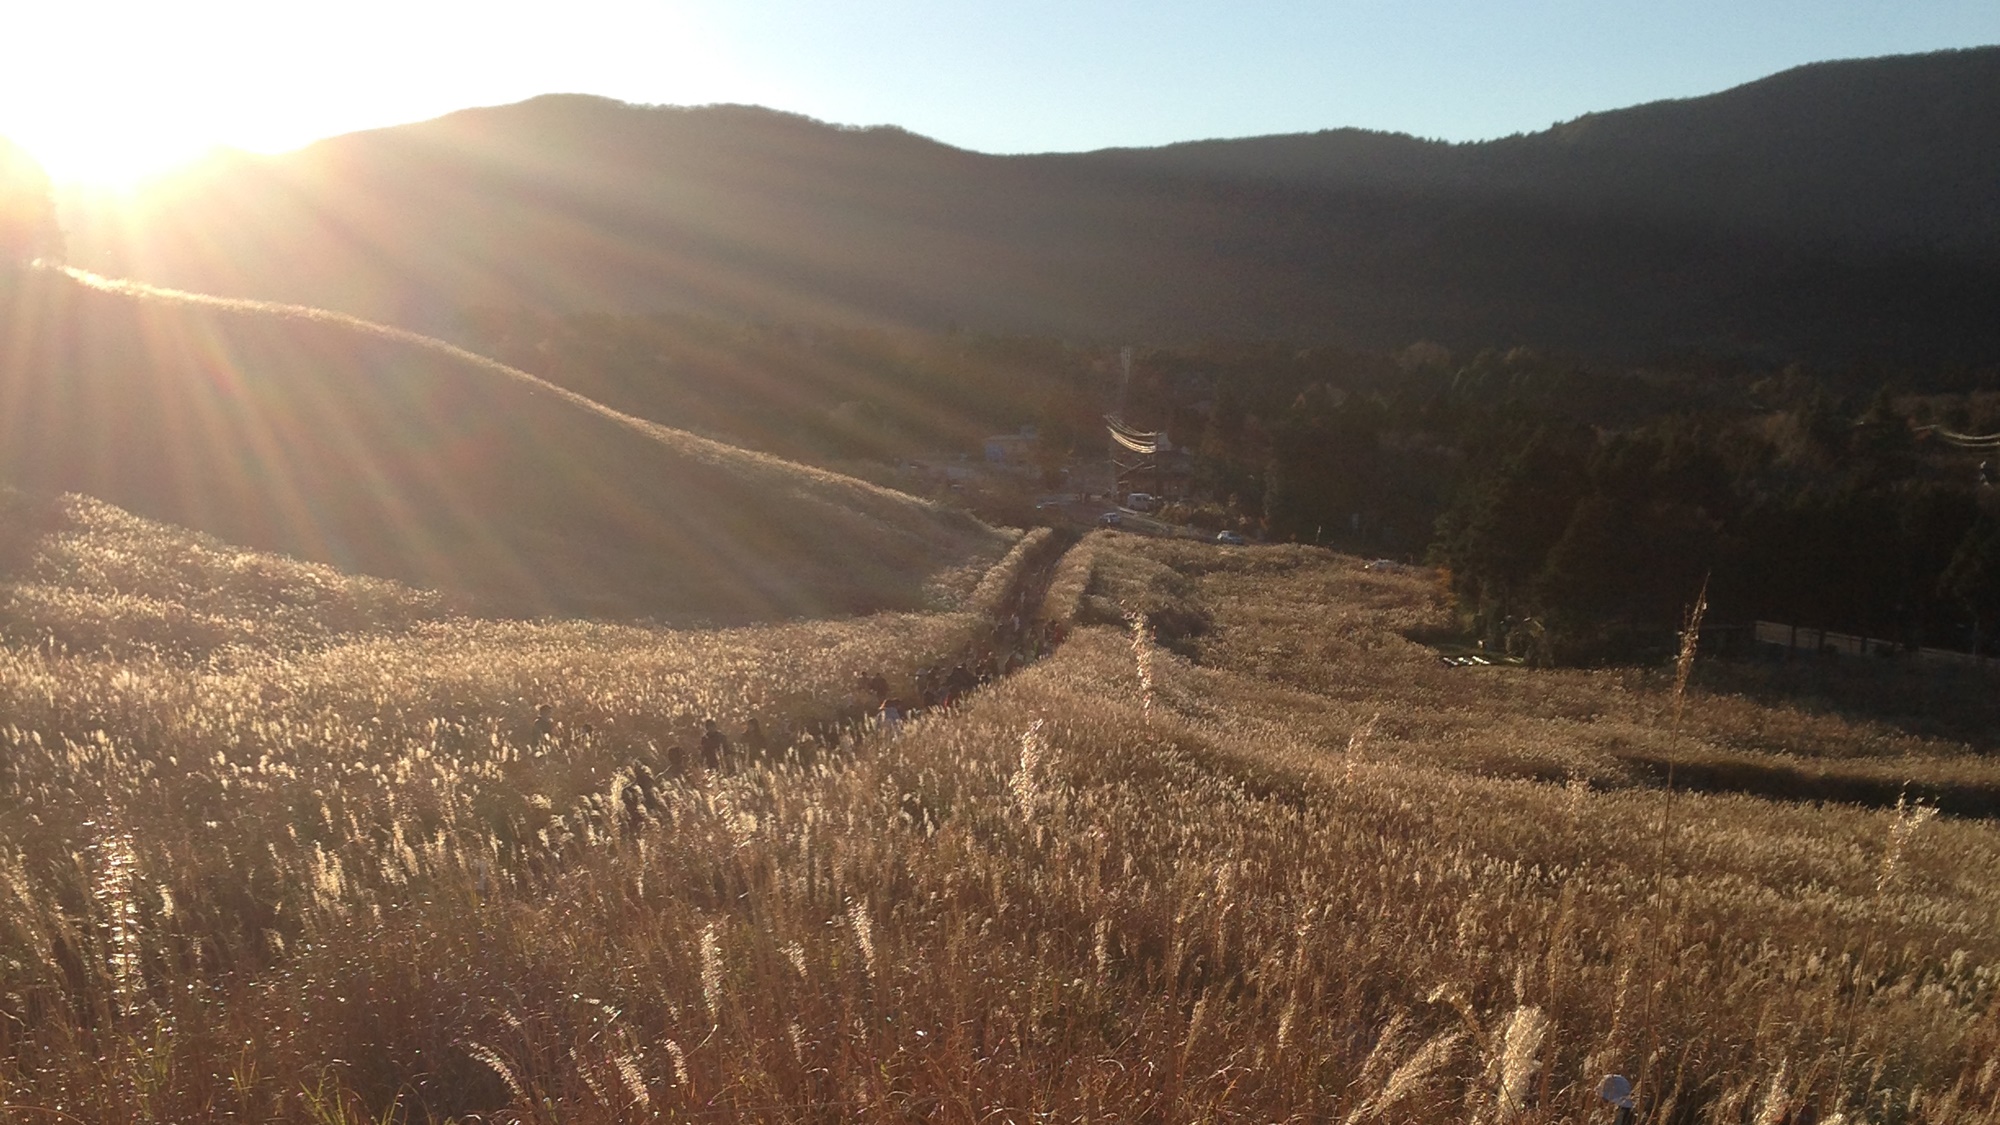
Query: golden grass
[
  {"x": 1318, "y": 638},
  {"x": 80, "y": 576},
  {"x": 336, "y": 885}
]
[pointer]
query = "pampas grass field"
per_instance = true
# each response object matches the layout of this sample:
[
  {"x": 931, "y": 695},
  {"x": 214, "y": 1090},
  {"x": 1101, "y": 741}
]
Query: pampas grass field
[{"x": 283, "y": 845}]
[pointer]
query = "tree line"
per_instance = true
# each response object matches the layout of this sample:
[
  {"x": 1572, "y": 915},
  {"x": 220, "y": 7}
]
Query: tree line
[
  {"x": 1597, "y": 502},
  {"x": 1593, "y": 499}
]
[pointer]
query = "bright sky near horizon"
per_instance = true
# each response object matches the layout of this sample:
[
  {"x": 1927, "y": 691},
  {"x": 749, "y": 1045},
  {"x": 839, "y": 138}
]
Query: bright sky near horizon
[{"x": 109, "y": 89}]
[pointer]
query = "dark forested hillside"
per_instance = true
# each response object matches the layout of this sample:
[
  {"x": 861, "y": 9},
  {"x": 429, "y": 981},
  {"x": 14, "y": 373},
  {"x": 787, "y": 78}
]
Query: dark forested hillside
[
  {"x": 1898, "y": 155},
  {"x": 1577, "y": 509},
  {"x": 1839, "y": 210}
]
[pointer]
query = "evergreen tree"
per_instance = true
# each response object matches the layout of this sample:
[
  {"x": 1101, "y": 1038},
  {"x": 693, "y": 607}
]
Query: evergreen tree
[
  {"x": 1972, "y": 579},
  {"x": 1323, "y": 458},
  {"x": 1498, "y": 536}
]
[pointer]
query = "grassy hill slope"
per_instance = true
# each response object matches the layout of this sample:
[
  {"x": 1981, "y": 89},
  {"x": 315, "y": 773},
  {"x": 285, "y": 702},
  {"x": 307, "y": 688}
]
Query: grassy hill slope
[
  {"x": 1282, "y": 866},
  {"x": 293, "y": 430},
  {"x": 79, "y": 576}
]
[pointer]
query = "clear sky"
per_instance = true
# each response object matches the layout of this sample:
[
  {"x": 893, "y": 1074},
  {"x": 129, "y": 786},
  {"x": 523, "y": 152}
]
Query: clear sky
[{"x": 107, "y": 88}]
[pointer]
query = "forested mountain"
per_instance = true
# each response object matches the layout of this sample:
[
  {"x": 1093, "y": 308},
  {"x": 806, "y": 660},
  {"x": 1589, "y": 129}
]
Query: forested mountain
[
  {"x": 1838, "y": 211},
  {"x": 1899, "y": 155}
]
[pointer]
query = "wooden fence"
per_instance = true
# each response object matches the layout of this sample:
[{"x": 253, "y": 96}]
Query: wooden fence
[{"x": 1847, "y": 644}]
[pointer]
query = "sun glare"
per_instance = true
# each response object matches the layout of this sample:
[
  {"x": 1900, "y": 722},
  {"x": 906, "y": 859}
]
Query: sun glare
[
  {"x": 104, "y": 168},
  {"x": 150, "y": 86},
  {"x": 94, "y": 154}
]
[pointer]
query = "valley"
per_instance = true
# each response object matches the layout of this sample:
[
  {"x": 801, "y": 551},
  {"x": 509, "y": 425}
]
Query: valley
[{"x": 588, "y": 612}]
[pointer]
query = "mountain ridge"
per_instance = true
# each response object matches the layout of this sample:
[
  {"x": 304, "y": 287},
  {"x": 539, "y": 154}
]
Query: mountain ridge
[
  {"x": 1679, "y": 225},
  {"x": 1815, "y": 100}
]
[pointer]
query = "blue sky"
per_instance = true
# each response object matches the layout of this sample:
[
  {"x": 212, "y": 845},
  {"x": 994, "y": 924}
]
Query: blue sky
[
  {"x": 146, "y": 83},
  {"x": 1039, "y": 75}
]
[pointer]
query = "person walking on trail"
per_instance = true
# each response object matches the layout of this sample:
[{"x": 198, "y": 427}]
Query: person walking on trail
[
  {"x": 714, "y": 746},
  {"x": 640, "y": 797},
  {"x": 892, "y": 716},
  {"x": 675, "y": 760},
  {"x": 754, "y": 743},
  {"x": 544, "y": 732},
  {"x": 805, "y": 750},
  {"x": 958, "y": 683}
]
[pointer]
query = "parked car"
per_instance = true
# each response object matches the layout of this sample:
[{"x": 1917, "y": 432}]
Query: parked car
[
  {"x": 1229, "y": 537},
  {"x": 1111, "y": 519},
  {"x": 1142, "y": 501}
]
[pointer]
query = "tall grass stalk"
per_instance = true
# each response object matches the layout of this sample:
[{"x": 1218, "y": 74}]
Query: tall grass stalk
[{"x": 1683, "y": 671}]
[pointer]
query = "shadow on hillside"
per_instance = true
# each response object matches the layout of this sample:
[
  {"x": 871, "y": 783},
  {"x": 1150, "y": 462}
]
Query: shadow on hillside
[
  {"x": 24, "y": 522},
  {"x": 333, "y": 441},
  {"x": 1920, "y": 699},
  {"x": 1779, "y": 781}
]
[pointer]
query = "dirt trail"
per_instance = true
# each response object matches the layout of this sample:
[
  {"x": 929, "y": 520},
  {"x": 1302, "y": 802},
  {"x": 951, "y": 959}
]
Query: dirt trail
[{"x": 1012, "y": 635}]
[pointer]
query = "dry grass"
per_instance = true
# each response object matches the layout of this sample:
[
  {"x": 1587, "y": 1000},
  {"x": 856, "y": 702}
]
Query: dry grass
[
  {"x": 332, "y": 884},
  {"x": 82, "y": 577},
  {"x": 1325, "y": 642}
]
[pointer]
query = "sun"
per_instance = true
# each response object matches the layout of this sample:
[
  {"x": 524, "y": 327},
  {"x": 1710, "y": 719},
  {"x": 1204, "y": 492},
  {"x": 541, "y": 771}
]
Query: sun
[
  {"x": 96, "y": 153},
  {"x": 111, "y": 92}
]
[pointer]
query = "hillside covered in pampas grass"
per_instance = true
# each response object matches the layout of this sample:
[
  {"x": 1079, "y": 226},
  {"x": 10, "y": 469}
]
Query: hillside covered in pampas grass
[
  {"x": 1226, "y": 845},
  {"x": 389, "y": 454}
]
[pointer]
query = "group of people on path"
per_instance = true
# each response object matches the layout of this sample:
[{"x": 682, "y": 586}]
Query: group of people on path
[
  {"x": 875, "y": 704},
  {"x": 638, "y": 791},
  {"x": 1012, "y": 641}
]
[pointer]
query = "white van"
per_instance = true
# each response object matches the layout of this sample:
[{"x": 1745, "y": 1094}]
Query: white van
[{"x": 1142, "y": 501}]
